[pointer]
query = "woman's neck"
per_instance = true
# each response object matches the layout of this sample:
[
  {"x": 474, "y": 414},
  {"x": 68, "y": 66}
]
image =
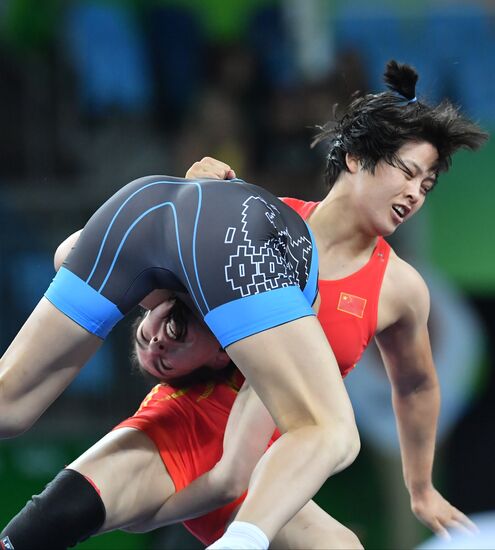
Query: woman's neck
[{"x": 336, "y": 222}]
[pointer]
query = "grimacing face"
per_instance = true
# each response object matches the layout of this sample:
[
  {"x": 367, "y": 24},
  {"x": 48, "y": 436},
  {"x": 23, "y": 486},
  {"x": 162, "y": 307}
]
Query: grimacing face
[
  {"x": 171, "y": 342},
  {"x": 393, "y": 194}
]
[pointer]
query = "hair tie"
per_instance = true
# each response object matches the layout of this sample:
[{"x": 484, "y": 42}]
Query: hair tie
[{"x": 404, "y": 100}]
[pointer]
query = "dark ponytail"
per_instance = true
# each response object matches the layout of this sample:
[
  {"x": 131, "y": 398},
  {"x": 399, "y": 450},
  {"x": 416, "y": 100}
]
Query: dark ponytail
[
  {"x": 375, "y": 126},
  {"x": 401, "y": 79}
]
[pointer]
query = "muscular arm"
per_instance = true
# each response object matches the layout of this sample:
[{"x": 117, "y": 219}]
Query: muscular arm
[
  {"x": 247, "y": 434},
  {"x": 406, "y": 352}
]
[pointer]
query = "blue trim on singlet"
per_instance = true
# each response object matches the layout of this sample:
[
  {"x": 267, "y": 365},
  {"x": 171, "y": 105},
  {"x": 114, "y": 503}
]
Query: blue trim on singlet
[
  {"x": 82, "y": 303},
  {"x": 241, "y": 318},
  {"x": 311, "y": 289},
  {"x": 112, "y": 221}
]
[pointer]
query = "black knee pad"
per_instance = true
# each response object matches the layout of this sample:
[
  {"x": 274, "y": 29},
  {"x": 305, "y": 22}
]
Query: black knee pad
[{"x": 68, "y": 511}]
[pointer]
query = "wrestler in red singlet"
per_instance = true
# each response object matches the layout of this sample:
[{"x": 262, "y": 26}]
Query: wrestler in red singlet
[
  {"x": 187, "y": 425},
  {"x": 349, "y": 306}
]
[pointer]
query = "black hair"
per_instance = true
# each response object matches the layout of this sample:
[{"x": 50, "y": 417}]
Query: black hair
[{"x": 375, "y": 126}]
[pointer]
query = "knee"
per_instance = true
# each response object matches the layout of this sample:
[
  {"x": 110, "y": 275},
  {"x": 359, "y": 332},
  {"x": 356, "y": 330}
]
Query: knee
[
  {"x": 337, "y": 537},
  {"x": 352, "y": 444},
  {"x": 348, "y": 540},
  {"x": 341, "y": 437},
  {"x": 340, "y": 539},
  {"x": 12, "y": 424},
  {"x": 318, "y": 531},
  {"x": 68, "y": 511},
  {"x": 18, "y": 412}
]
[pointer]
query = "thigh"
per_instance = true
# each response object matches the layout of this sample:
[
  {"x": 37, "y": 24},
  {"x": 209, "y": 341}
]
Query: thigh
[
  {"x": 293, "y": 370},
  {"x": 128, "y": 471},
  {"x": 45, "y": 356},
  {"x": 312, "y": 528}
]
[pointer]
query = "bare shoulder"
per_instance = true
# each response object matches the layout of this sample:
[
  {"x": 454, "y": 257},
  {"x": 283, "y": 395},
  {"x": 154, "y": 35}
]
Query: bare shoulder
[
  {"x": 404, "y": 277},
  {"x": 404, "y": 291}
]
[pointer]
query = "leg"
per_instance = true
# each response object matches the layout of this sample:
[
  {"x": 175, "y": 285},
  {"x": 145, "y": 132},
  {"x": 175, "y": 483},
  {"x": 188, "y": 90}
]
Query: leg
[
  {"x": 293, "y": 370},
  {"x": 130, "y": 475},
  {"x": 45, "y": 356},
  {"x": 124, "y": 467},
  {"x": 314, "y": 529}
]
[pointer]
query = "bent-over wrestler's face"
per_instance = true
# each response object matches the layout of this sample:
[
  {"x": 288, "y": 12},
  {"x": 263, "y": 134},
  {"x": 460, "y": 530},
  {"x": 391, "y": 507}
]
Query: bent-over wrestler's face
[
  {"x": 393, "y": 194},
  {"x": 171, "y": 342}
]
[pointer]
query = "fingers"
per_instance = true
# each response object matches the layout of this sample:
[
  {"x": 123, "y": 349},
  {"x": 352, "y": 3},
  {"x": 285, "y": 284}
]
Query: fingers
[
  {"x": 457, "y": 521},
  {"x": 458, "y": 526},
  {"x": 439, "y": 530},
  {"x": 462, "y": 519},
  {"x": 440, "y": 516},
  {"x": 209, "y": 167}
]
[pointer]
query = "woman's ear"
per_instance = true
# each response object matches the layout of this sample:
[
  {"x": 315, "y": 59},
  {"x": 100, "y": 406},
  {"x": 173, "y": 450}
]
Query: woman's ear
[{"x": 352, "y": 163}]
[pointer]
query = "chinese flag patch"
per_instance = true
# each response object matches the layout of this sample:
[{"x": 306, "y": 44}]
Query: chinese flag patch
[{"x": 354, "y": 305}]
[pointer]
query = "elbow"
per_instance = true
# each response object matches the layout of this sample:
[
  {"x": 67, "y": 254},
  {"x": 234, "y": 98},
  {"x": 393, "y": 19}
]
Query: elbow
[
  {"x": 405, "y": 386},
  {"x": 231, "y": 483},
  {"x": 234, "y": 490},
  {"x": 403, "y": 393},
  {"x": 231, "y": 493}
]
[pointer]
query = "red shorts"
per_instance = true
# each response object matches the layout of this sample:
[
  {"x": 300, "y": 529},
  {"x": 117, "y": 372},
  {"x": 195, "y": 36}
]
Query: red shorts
[{"x": 187, "y": 427}]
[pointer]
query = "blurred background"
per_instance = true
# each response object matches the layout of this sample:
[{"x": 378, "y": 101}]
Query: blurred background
[{"x": 95, "y": 94}]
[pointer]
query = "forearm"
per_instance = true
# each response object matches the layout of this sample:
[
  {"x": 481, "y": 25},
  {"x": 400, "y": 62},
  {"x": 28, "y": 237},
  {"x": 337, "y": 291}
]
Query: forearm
[
  {"x": 417, "y": 415},
  {"x": 203, "y": 495},
  {"x": 246, "y": 438},
  {"x": 214, "y": 489}
]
